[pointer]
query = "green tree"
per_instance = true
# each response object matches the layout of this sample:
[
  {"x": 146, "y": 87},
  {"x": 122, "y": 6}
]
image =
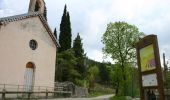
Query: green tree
[
  {"x": 79, "y": 54},
  {"x": 66, "y": 63},
  {"x": 92, "y": 74},
  {"x": 116, "y": 77},
  {"x": 119, "y": 40},
  {"x": 104, "y": 73},
  {"x": 78, "y": 47},
  {"x": 65, "y": 31},
  {"x": 69, "y": 35}
]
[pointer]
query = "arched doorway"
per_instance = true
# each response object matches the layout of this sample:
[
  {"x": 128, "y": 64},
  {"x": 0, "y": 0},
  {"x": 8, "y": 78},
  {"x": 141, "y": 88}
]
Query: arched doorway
[{"x": 29, "y": 77}]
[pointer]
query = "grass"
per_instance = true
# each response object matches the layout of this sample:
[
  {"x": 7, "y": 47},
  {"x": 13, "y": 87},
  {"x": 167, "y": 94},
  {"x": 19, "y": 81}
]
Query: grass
[
  {"x": 118, "y": 98},
  {"x": 95, "y": 94},
  {"x": 100, "y": 90}
]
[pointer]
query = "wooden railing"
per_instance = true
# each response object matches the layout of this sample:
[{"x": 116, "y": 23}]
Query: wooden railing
[{"x": 19, "y": 92}]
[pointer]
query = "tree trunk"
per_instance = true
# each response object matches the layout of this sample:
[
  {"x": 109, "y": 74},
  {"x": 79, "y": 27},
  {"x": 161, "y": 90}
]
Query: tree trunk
[
  {"x": 117, "y": 89},
  {"x": 124, "y": 79}
]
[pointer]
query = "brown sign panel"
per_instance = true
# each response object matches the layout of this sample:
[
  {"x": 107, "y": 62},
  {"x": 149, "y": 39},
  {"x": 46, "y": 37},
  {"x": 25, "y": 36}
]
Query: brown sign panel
[{"x": 149, "y": 65}]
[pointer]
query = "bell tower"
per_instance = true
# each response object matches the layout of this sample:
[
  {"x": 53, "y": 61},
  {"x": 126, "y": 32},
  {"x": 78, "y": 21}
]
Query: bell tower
[{"x": 36, "y": 6}]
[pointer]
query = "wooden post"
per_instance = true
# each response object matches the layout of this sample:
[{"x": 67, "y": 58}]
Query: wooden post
[
  {"x": 3, "y": 94},
  {"x": 29, "y": 95},
  {"x": 38, "y": 91},
  {"x": 159, "y": 71},
  {"x": 46, "y": 93},
  {"x": 17, "y": 90}
]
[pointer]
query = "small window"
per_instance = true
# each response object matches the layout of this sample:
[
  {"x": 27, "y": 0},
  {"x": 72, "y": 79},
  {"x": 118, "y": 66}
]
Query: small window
[{"x": 33, "y": 44}]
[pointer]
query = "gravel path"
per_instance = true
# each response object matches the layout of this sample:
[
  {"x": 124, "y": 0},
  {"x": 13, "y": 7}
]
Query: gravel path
[{"x": 104, "y": 97}]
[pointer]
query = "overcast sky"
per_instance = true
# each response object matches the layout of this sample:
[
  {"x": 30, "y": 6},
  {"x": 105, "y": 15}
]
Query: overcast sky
[{"x": 90, "y": 18}]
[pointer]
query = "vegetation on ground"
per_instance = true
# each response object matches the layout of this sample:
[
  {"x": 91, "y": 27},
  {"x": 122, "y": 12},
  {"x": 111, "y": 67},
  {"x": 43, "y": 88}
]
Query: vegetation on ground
[
  {"x": 100, "y": 90},
  {"x": 118, "y": 98}
]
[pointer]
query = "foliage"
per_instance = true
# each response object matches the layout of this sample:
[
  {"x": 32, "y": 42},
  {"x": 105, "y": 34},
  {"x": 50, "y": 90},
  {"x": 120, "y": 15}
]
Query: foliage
[
  {"x": 81, "y": 82},
  {"x": 167, "y": 83},
  {"x": 116, "y": 76},
  {"x": 104, "y": 73},
  {"x": 68, "y": 30},
  {"x": 66, "y": 68},
  {"x": 102, "y": 89},
  {"x": 65, "y": 31},
  {"x": 119, "y": 40},
  {"x": 132, "y": 80},
  {"x": 95, "y": 94},
  {"x": 78, "y": 47},
  {"x": 79, "y": 54},
  {"x": 92, "y": 74},
  {"x": 66, "y": 63},
  {"x": 104, "y": 70}
]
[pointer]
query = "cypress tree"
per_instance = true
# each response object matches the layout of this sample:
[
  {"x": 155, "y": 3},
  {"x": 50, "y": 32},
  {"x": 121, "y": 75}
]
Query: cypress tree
[
  {"x": 79, "y": 54},
  {"x": 78, "y": 47},
  {"x": 45, "y": 12},
  {"x": 65, "y": 31},
  {"x": 69, "y": 35},
  {"x": 55, "y": 33}
]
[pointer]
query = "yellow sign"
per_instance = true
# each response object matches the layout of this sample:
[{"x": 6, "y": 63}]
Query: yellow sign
[{"x": 147, "y": 58}]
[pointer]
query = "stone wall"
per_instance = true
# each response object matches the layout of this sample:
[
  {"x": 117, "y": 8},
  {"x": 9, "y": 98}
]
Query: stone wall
[
  {"x": 77, "y": 91},
  {"x": 80, "y": 91}
]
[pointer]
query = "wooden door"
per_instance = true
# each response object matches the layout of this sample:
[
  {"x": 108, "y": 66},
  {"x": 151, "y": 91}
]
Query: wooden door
[{"x": 29, "y": 77}]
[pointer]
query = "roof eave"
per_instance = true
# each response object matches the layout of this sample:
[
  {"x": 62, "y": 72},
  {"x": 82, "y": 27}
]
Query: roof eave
[
  {"x": 49, "y": 30},
  {"x": 28, "y": 15}
]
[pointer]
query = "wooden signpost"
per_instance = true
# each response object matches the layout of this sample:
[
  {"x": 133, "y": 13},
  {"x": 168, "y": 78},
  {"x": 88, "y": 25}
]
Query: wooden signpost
[{"x": 149, "y": 66}]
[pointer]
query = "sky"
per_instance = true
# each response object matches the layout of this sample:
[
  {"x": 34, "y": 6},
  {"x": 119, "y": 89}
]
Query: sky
[{"x": 90, "y": 19}]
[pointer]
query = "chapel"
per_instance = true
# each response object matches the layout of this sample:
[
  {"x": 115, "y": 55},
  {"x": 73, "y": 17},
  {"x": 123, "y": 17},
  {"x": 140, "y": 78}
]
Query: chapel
[{"x": 27, "y": 49}]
